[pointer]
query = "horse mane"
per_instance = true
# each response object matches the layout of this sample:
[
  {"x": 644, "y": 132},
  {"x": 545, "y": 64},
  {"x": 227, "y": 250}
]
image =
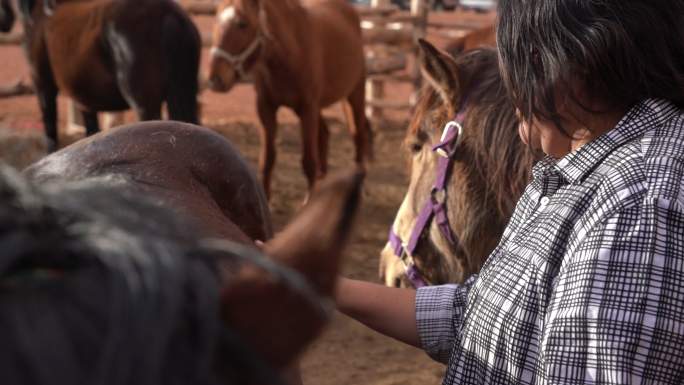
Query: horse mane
[
  {"x": 490, "y": 127},
  {"x": 276, "y": 21},
  {"x": 100, "y": 286},
  {"x": 84, "y": 274}
]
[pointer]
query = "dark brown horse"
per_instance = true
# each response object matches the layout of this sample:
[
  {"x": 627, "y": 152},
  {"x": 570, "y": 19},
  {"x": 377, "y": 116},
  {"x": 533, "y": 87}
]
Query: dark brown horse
[
  {"x": 487, "y": 168},
  {"x": 195, "y": 173},
  {"x": 304, "y": 57},
  {"x": 110, "y": 55}
]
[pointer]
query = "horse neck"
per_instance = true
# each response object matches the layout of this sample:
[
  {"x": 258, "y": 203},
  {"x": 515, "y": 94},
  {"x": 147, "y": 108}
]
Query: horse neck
[
  {"x": 286, "y": 21},
  {"x": 498, "y": 168}
]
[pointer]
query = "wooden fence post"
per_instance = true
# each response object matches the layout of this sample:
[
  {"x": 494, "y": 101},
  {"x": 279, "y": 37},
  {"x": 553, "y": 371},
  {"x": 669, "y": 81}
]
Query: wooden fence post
[{"x": 375, "y": 89}]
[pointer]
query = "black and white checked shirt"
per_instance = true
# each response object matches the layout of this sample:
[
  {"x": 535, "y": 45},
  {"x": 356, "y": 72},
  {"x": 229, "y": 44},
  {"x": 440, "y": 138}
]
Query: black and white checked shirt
[{"x": 587, "y": 283}]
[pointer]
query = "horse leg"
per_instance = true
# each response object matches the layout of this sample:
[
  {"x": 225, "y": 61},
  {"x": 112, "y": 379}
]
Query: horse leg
[
  {"x": 310, "y": 127},
  {"x": 133, "y": 78},
  {"x": 47, "y": 99},
  {"x": 152, "y": 111},
  {"x": 182, "y": 48},
  {"x": 358, "y": 124},
  {"x": 267, "y": 154},
  {"x": 323, "y": 144},
  {"x": 92, "y": 125},
  {"x": 146, "y": 103}
]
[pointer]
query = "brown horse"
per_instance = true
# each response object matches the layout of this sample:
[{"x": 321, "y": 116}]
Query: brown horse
[
  {"x": 486, "y": 168},
  {"x": 479, "y": 38},
  {"x": 301, "y": 57},
  {"x": 195, "y": 173},
  {"x": 111, "y": 55}
]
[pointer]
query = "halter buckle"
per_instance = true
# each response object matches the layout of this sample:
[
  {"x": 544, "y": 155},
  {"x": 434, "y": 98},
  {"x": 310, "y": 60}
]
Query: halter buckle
[
  {"x": 439, "y": 196},
  {"x": 448, "y": 139},
  {"x": 441, "y": 152}
]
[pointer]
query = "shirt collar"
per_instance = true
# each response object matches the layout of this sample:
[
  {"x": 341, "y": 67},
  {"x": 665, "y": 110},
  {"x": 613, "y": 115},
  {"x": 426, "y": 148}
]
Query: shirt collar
[{"x": 640, "y": 119}]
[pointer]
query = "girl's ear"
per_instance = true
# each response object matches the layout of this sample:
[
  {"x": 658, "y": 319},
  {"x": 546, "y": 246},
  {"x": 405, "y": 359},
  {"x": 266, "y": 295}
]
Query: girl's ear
[{"x": 441, "y": 72}]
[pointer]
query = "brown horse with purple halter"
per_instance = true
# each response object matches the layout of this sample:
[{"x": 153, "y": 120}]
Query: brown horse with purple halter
[
  {"x": 110, "y": 55},
  {"x": 468, "y": 168},
  {"x": 435, "y": 207}
]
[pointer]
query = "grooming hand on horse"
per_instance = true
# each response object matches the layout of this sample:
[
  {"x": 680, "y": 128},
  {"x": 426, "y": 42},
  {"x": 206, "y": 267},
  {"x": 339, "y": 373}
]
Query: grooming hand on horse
[
  {"x": 305, "y": 57},
  {"x": 179, "y": 171},
  {"x": 110, "y": 55}
]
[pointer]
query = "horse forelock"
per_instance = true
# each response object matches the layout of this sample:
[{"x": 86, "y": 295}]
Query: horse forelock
[
  {"x": 118, "y": 264},
  {"x": 490, "y": 126}
]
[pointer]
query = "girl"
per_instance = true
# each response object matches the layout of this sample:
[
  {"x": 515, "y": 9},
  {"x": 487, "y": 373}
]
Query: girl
[{"x": 587, "y": 283}]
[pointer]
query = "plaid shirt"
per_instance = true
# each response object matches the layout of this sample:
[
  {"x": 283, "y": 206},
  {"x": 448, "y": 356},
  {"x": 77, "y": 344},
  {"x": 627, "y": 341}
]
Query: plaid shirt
[{"x": 587, "y": 283}]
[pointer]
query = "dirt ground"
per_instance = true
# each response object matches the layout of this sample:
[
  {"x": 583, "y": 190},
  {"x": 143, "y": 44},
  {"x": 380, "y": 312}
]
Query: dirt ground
[{"x": 347, "y": 353}]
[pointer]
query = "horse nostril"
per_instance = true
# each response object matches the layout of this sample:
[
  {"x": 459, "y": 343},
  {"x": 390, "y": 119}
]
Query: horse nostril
[{"x": 215, "y": 82}]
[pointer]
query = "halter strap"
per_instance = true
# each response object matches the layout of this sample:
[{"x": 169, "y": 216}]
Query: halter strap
[
  {"x": 435, "y": 206},
  {"x": 238, "y": 60}
]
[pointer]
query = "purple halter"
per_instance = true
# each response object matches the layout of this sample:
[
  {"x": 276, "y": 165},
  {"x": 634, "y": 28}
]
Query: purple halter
[{"x": 435, "y": 207}]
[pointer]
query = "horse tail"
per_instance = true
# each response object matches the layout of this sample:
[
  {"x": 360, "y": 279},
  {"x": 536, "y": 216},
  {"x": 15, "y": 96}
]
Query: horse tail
[{"x": 182, "y": 46}]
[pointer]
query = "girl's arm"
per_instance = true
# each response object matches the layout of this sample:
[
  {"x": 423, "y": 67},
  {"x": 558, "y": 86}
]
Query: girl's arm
[{"x": 389, "y": 311}]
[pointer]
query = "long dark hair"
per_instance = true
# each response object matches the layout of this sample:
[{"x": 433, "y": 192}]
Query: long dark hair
[
  {"x": 93, "y": 290},
  {"x": 617, "y": 51}
]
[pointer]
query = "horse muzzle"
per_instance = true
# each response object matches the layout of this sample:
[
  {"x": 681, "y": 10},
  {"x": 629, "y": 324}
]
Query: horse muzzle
[{"x": 217, "y": 83}]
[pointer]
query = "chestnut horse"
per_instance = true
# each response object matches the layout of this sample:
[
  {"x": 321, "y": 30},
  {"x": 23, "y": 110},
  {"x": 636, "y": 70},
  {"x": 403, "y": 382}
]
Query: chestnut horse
[
  {"x": 468, "y": 169},
  {"x": 111, "y": 55},
  {"x": 196, "y": 174},
  {"x": 304, "y": 57}
]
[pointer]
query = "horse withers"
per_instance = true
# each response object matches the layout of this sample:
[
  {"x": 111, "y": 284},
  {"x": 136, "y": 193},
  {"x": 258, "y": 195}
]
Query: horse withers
[
  {"x": 273, "y": 307},
  {"x": 467, "y": 170},
  {"x": 304, "y": 57},
  {"x": 111, "y": 55}
]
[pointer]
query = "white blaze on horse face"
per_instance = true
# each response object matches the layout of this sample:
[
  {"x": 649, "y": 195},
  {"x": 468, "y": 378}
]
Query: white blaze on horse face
[
  {"x": 392, "y": 268},
  {"x": 227, "y": 15}
]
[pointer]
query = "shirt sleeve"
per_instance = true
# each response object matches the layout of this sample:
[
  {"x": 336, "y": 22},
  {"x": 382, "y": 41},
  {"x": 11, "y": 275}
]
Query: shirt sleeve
[
  {"x": 617, "y": 312},
  {"x": 439, "y": 313}
]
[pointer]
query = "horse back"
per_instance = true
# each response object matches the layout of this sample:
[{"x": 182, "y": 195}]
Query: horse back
[
  {"x": 185, "y": 168},
  {"x": 336, "y": 33}
]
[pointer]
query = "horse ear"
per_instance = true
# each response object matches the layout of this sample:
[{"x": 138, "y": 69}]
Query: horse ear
[
  {"x": 277, "y": 320},
  {"x": 312, "y": 244},
  {"x": 440, "y": 70}
]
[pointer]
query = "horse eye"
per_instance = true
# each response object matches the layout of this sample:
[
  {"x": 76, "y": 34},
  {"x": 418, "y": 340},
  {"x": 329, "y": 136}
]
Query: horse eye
[
  {"x": 416, "y": 147},
  {"x": 242, "y": 24}
]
